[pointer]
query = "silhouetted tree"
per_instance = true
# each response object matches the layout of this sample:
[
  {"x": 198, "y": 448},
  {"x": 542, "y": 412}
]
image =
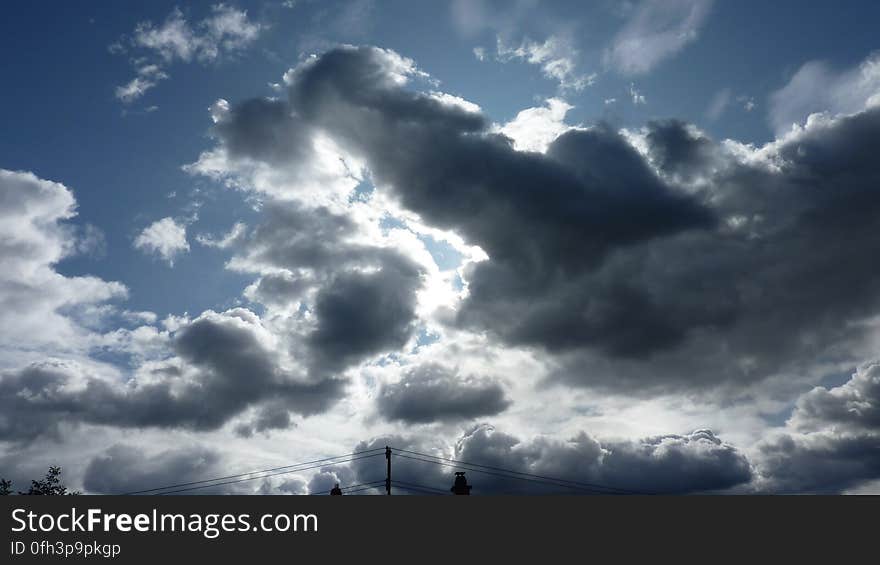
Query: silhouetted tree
[{"x": 51, "y": 485}]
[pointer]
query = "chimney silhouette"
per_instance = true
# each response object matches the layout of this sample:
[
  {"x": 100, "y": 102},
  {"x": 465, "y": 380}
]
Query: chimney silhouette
[{"x": 460, "y": 485}]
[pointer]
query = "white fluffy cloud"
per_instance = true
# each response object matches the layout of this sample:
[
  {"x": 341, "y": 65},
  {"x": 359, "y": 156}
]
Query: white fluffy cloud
[
  {"x": 165, "y": 238},
  {"x": 147, "y": 77},
  {"x": 556, "y": 56},
  {"x": 533, "y": 129},
  {"x": 38, "y": 305},
  {"x": 226, "y": 31},
  {"x": 657, "y": 30},
  {"x": 816, "y": 87}
]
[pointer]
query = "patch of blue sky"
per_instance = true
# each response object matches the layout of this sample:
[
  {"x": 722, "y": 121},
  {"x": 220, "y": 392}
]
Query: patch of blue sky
[
  {"x": 389, "y": 222},
  {"x": 445, "y": 255},
  {"x": 362, "y": 192},
  {"x": 426, "y": 337}
]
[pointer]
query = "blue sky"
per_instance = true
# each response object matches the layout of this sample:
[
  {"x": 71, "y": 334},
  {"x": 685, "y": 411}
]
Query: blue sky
[{"x": 418, "y": 220}]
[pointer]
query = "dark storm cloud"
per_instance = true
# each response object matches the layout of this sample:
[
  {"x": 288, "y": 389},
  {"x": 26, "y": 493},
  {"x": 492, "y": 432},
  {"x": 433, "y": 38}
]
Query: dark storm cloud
[
  {"x": 524, "y": 209},
  {"x": 365, "y": 83},
  {"x": 124, "y": 468},
  {"x": 543, "y": 300},
  {"x": 270, "y": 415},
  {"x": 363, "y": 297},
  {"x": 677, "y": 150},
  {"x": 784, "y": 281},
  {"x": 697, "y": 462},
  {"x": 626, "y": 200},
  {"x": 240, "y": 369},
  {"x": 819, "y": 463},
  {"x": 543, "y": 220},
  {"x": 432, "y": 392},
  {"x": 715, "y": 268},
  {"x": 830, "y": 443},
  {"x": 223, "y": 368},
  {"x": 855, "y": 405},
  {"x": 833, "y": 440},
  {"x": 264, "y": 130},
  {"x": 787, "y": 268},
  {"x": 361, "y": 314},
  {"x": 279, "y": 288},
  {"x": 294, "y": 238}
]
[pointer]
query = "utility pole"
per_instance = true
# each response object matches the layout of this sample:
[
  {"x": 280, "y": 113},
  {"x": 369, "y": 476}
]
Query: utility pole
[{"x": 388, "y": 471}]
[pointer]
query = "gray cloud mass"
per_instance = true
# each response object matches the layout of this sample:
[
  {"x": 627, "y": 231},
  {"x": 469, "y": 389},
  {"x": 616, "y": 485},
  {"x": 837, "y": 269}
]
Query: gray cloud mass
[
  {"x": 222, "y": 367},
  {"x": 671, "y": 464},
  {"x": 643, "y": 262},
  {"x": 685, "y": 266},
  {"x": 432, "y": 392}
]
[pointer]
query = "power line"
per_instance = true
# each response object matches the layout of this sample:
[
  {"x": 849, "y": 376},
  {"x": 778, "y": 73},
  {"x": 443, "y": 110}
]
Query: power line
[
  {"x": 418, "y": 490},
  {"x": 375, "y": 452},
  {"x": 554, "y": 479},
  {"x": 363, "y": 488},
  {"x": 288, "y": 469},
  {"x": 253, "y": 472},
  {"x": 266, "y": 476},
  {"x": 367, "y": 485},
  {"x": 508, "y": 476},
  {"x": 415, "y": 489},
  {"x": 298, "y": 469},
  {"x": 418, "y": 486}
]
